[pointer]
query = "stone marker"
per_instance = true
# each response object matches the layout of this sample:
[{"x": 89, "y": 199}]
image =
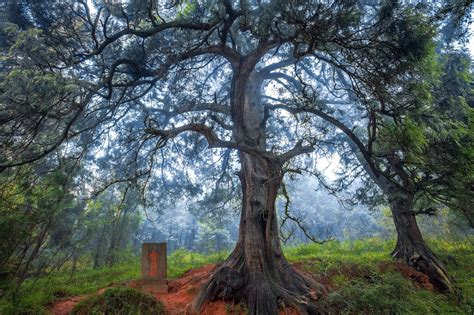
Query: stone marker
[{"x": 154, "y": 267}]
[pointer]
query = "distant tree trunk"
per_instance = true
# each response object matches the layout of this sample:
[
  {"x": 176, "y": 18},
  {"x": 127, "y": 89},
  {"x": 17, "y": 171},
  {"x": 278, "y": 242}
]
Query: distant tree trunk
[
  {"x": 75, "y": 257},
  {"x": 412, "y": 249},
  {"x": 190, "y": 238},
  {"x": 98, "y": 252},
  {"x": 257, "y": 271},
  {"x": 118, "y": 228},
  {"x": 23, "y": 268}
]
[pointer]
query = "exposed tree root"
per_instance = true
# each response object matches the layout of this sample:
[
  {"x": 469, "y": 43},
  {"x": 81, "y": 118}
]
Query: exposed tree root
[
  {"x": 263, "y": 292},
  {"x": 420, "y": 257}
]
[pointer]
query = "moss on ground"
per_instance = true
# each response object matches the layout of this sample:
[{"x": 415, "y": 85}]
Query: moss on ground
[{"x": 120, "y": 301}]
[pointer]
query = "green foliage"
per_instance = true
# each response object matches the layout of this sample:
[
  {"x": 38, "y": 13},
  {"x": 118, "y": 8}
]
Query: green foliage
[
  {"x": 37, "y": 293},
  {"x": 187, "y": 8},
  {"x": 407, "y": 138},
  {"x": 30, "y": 84},
  {"x": 110, "y": 220},
  {"x": 34, "y": 212},
  {"x": 119, "y": 301},
  {"x": 430, "y": 143},
  {"x": 34, "y": 89}
]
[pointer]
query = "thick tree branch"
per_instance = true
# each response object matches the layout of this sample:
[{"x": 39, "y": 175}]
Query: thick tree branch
[
  {"x": 277, "y": 65},
  {"x": 298, "y": 149},
  {"x": 164, "y": 68},
  {"x": 146, "y": 33},
  {"x": 212, "y": 139}
]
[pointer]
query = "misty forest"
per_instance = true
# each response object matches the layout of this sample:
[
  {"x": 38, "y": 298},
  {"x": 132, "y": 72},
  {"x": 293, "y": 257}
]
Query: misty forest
[{"x": 296, "y": 157}]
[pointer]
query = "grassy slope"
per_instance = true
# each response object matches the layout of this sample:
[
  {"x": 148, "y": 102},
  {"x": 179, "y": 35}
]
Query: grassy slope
[{"x": 366, "y": 290}]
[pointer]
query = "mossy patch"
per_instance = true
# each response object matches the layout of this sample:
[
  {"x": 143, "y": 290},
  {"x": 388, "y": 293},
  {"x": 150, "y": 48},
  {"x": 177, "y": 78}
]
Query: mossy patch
[{"x": 120, "y": 301}]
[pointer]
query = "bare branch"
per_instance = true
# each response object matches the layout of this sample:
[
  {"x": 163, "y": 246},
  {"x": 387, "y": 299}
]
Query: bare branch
[
  {"x": 298, "y": 149},
  {"x": 212, "y": 139},
  {"x": 147, "y": 33},
  {"x": 298, "y": 221},
  {"x": 340, "y": 125}
]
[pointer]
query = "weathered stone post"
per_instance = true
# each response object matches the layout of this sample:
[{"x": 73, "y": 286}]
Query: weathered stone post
[{"x": 154, "y": 267}]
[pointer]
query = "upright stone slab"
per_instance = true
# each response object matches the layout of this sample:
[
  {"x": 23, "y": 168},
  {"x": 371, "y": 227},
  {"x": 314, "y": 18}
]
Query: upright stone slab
[{"x": 154, "y": 267}]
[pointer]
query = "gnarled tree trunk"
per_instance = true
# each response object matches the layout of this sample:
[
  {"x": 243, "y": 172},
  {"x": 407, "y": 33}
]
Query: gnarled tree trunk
[{"x": 412, "y": 249}]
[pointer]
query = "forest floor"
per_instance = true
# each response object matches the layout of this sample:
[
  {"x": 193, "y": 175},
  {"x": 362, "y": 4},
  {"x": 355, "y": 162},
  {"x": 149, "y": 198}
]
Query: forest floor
[
  {"x": 183, "y": 290},
  {"x": 360, "y": 276},
  {"x": 177, "y": 301}
]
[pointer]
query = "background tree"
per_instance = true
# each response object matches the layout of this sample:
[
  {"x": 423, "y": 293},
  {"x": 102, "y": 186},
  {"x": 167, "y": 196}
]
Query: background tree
[{"x": 406, "y": 153}]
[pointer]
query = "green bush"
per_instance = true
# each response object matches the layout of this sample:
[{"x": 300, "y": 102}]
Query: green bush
[{"x": 118, "y": 301}]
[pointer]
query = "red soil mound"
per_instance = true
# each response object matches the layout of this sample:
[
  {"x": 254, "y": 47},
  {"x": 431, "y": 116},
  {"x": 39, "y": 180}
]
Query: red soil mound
[
  {"x": 184, "y": 289},
  {"x": 64, "y": 306}
]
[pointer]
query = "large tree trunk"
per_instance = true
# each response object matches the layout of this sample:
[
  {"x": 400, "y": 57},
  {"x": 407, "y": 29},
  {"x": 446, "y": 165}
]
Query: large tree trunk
[
  {"x": 412, "y": 249},
  {"x": 256, "y": 272}
]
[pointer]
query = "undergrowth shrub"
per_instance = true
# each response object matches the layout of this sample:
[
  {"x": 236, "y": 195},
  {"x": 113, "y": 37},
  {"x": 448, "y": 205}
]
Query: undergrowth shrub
[{"x": 120, "y": 301}]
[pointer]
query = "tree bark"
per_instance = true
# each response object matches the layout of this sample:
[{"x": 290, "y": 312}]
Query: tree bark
[
  {"x": 257, "y": 272},
  {"x": 412, "y": 249}
]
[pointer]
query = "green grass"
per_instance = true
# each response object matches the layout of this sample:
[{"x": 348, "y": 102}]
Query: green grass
[
  {"x": 323, "y": 258},
  {"x": 352, "y": 268},
  {"x": 181, "y": 261},
  {"x": 36, "y": 294}
]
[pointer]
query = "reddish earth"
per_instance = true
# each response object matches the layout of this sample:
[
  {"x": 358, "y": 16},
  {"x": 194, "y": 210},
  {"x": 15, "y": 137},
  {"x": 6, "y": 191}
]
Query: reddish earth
[
  {"x": 419, "y": 279},
  {"x": 63, "y": 307},
  {"x": 183, "y": 290}
]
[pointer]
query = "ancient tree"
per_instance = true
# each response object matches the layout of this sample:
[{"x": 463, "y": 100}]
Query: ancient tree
[{"x": 159, "y": 75}]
